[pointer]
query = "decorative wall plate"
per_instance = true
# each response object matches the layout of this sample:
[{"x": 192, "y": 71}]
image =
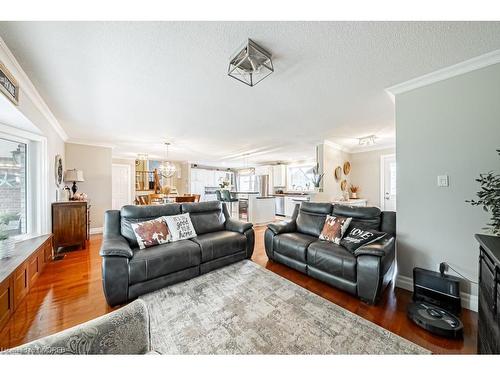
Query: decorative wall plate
[
  {"x": 343, "y": 185},
  {"x": 347, "y": 168},
  {"x": 59, "y": 171},
  {"x": 338, "y": 173}
]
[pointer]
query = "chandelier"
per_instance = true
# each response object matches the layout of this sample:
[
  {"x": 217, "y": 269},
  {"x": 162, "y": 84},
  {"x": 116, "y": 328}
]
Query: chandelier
[
  {"x": 251, "y": 64},
  {"x": 167, "y": 169}
]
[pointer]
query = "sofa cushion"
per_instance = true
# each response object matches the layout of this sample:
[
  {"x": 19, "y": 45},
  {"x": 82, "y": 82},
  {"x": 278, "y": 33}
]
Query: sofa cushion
[
  {"x": 362, "y": 217},
  {"x": 293, "y": 245},
  {"x": 137, "y": 214},
  {"x": 334, "y": 228},
  {"x": 180, "y": 227},
  {"x": 333, "y": 259},
  {"x": 357, "y": 237},
  {"x": 311, "y": 218},
  {"x": 151, "y": 233},
  {"x": 163, "y": 259},
  {"x": 206, "y": 217},
  {"x": 219, "y": 244}
]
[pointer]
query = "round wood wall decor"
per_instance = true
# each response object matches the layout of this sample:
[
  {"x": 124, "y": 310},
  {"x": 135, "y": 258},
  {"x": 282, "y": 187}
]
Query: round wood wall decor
[
  {"x": 343, "y": 185},
  {"x": 347, "y": 168},
  {"x": 338, "y": 173}
]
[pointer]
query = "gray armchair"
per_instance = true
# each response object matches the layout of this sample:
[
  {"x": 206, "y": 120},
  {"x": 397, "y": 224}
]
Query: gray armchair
[{"x": 124, "y": 331}]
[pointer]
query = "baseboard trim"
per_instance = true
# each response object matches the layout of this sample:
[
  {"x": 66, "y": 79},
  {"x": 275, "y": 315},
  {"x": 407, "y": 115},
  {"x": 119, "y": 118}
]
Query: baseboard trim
[
  {"x": 96, "y": 230},
  {"x": 469, "y": 301}
]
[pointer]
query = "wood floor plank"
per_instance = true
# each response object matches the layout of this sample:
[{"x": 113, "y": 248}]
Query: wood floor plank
[{"x": 69, "y": 292}]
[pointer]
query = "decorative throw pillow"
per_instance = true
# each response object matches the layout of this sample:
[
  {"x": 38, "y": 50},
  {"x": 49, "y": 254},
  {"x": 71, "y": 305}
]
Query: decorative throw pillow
[
  {"x": 180, "y": 227},
  {"x": 334, "y": 228},
  {"x": 357, "y": 237},
  {"x": 151, "y": 233}
]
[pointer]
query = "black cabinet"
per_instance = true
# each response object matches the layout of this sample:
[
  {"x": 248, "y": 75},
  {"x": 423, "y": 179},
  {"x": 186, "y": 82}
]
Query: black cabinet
[{"x": 488, "y": 340}]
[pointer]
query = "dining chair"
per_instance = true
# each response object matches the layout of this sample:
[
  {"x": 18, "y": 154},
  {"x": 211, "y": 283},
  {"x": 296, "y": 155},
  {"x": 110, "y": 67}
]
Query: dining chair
[{"x": 156, "y": 198}]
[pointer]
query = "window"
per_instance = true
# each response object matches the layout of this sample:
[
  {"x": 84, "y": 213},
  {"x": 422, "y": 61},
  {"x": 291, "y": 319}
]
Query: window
[
  {"x": 13, "y": 202},
  {"x": 300, "y": 177}
]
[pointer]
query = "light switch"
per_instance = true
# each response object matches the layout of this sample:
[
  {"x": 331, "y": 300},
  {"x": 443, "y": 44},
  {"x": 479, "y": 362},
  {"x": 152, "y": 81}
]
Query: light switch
[{"x": 443, "y": 181}]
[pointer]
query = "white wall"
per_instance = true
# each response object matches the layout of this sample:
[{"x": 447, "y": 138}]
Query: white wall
[
  {"x": 96, "y": 164},
  {"x": 365, "y": 173},
  {"x": 331, "y": 157},
  {"x": 449, "y": 127},
  {"x": 35, "y": 110}
]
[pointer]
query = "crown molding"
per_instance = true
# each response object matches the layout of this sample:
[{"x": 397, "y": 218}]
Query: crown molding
[
  {"x": 463, "y": 67},
  {"x": 336, "y": 146},
  {"x": 359, "y": 150},
  {"x": 90, "y": 143},
  {"x": 30, "y": 90}
]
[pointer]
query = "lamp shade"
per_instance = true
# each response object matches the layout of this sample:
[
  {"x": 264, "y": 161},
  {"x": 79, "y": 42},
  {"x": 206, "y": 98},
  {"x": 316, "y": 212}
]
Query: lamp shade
[{"x": 73, "y": 175}]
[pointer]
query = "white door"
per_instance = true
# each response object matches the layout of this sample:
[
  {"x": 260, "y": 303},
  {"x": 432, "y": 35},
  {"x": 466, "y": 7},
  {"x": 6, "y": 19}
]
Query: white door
[
  {"x": 388, "y": 183},
  {"x": 121, "y": 181}
]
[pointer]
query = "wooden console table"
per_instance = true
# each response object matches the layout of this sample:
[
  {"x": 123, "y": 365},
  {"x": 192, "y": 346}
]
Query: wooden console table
[
  {"x": 70, "y": 223},
  {"x": 19, "y": 271}
]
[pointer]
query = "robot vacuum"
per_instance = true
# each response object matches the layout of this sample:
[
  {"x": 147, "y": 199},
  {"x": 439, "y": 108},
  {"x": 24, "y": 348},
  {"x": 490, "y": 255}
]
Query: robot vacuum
[{"x": 435, "y": 319}]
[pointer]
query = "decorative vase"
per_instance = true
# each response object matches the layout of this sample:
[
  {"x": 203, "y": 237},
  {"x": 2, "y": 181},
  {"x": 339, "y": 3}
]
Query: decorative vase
[
  {"x": 354, "y": 195},
  {"x": 6, "y": 248}
]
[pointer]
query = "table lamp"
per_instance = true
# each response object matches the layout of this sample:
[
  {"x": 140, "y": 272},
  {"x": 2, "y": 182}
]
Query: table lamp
[{"x": 74, "y": 175}]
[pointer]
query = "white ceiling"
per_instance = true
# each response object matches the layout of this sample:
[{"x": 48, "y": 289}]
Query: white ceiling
[{"x": 133, "y": 84}]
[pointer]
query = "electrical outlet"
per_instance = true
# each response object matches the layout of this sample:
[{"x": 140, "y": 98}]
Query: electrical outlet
[{"x": 443, "y": 181}]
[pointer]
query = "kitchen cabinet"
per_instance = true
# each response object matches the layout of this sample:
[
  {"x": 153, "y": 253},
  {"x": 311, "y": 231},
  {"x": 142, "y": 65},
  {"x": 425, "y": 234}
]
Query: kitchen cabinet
[
  {"x": 263, "y": 170},
  {"x": 292, "y": 201},
  {"x": 279, "y": 175}
]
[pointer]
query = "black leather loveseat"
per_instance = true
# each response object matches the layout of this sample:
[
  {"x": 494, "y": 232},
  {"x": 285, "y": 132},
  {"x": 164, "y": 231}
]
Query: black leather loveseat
[
  {"x": 364, "y": 273},
  {"x": 129, "y": 272}
]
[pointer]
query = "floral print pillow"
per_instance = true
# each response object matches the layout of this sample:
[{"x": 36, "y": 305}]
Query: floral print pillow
[{"x": 151, "y": 233}]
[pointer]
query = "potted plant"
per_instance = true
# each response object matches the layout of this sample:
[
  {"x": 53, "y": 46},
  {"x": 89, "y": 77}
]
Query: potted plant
[
  {"x": 354, "y": 191},
  {"x": 489, "y": 198},
  {"x": 317, "y": 177}
]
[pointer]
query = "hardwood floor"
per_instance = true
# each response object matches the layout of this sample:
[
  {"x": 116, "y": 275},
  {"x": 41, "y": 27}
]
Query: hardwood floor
[{"x": 69, "y": 292}]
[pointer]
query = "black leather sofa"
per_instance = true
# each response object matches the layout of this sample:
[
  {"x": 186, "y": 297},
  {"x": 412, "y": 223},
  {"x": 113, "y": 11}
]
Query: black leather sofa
[
  {"x": 364, "y": 273},
  {"x": 129, "y": 272}
]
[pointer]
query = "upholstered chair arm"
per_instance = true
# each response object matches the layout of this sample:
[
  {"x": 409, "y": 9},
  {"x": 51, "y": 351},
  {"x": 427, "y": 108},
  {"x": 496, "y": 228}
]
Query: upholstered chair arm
[
  {"x": 124, "y": 331},
  {"x": 238, "y": 226},
  {"x": 378, "y": 248},
  {"x": 283, "y": 227},
  {"x": 116, "y": 246}
]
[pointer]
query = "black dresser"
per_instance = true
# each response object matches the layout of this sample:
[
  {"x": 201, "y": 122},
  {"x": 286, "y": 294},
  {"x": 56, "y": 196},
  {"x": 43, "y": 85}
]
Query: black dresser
[{"x": 488, "y": 339}]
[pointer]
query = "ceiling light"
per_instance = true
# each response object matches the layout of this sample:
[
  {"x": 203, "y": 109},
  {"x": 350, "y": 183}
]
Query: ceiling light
[
  {"x": 167, "y": 169},
  {"x": 367, "y": 141},
  {"x": 251, "y": 64}
]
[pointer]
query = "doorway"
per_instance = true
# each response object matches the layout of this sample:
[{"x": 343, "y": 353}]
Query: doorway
[
  {"x": 388, "y": 182},
  {"x": 121, "y": 186}
]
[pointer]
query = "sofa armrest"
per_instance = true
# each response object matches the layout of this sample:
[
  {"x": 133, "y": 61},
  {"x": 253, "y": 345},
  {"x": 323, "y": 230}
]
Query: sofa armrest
[
  {"x": 238, "y": 226},
  {"x": 116, "y": 246},
  {"x": 378, "y": 248},
  {"x": 283, "y": 227}
]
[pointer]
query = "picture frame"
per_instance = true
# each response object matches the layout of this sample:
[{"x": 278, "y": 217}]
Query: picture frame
[{"x": 9, "y": 85}]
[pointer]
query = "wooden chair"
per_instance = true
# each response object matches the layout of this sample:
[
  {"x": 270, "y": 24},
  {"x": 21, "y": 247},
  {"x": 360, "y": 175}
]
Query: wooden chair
[
  {"x": 142, "y": 200},
  {"x": 185, "y": 199},
  {"x": 156, "y": 198}
]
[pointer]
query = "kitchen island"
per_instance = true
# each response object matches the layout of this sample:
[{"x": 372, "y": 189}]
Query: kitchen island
[{"x": 255, "y": 208}]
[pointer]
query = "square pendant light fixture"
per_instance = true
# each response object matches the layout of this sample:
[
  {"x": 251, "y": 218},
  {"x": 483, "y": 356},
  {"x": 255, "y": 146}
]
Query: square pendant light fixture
[{"x": 251, "y": 64}]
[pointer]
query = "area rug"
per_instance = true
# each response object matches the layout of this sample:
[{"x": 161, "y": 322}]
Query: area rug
[{"x": 245, "y": 309}]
